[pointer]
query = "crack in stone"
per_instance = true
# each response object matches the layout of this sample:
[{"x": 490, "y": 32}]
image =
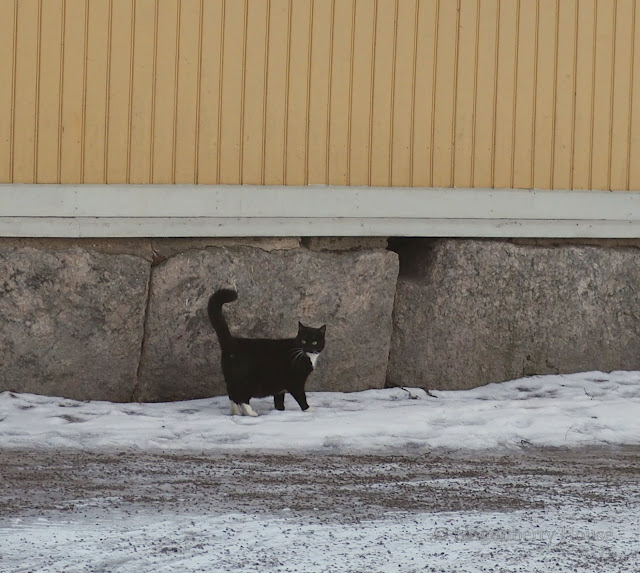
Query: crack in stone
[{"x": 136, "y": 388}]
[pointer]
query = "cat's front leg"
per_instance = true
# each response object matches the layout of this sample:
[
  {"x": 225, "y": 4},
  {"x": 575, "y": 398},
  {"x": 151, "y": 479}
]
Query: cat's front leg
[
  {"x": 278, "y": 401},
  {"x": 301, "y": 398},
  {"x": 247, "y": 410},
  {"x": 241, "y": 408}
]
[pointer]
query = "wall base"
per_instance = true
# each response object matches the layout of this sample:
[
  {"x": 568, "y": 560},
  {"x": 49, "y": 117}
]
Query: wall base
[{"x": 125, "y": 319}]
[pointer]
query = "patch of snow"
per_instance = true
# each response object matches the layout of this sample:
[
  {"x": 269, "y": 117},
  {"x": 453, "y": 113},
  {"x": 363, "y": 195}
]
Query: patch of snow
[
  {"x": 559, "y": 410},
  {"x": 532, "y": 541}
]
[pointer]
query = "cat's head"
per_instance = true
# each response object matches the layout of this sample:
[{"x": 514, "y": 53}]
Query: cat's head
[{"x": 311, "y": 340}]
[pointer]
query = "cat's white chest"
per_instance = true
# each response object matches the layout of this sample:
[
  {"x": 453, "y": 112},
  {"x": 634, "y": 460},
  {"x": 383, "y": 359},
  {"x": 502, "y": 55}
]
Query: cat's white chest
[{"x": 313, "y": 356}]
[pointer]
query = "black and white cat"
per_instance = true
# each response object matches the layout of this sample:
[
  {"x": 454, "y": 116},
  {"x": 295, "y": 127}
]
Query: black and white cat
[{"x": 259, "y": 367}]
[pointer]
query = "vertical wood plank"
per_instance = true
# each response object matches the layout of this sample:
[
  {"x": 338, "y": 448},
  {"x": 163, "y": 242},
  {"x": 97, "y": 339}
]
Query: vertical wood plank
[
  {"x": 187, "y": 93},
  {"x": 424, "y": 93},
  {"x": 485, "y": 102},
  {"x": 48, "y": 151},
  {"x": 118, "y": 104},
  {"x": 25, "y": 103},
  {"x": 465, "y": 96},
  {"x": 254, "y": 99},
  {"x": 445, "y": 93},
  {"x": 621, "y": 98},
  {"x": 317, "y": 162},
  {"x": 585, "y": 64},
  {"x": 403, "y": 90},
  {"x": 380, "y": 164},
  {"x": 360, "y": 105},
  {"x": 94, "y": 136},
  {"x": 210, "y": 92},
  {"x": 603, "y": 83},
  {"x": 297, "y": 109},
  {"x": 564, "y": 111},
  {"x": 340, "y": 99},
  {"x": 73, "y": 92},
  {"x": 545, "y": 94},
  {"x": 505, "y": 103},
  {"x": 164, "y": 91},
  {"x": 275, "y": 125},
  {"x": 8, "y": 38},
  {"x": 140, "y": 129},
  {"x": 232, "y": 81},
  {"x": 634, "y": 126},
  {"x": 525, "y": 95}
]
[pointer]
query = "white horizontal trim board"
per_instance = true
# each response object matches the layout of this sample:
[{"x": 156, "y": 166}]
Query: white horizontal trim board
[
  {"x": 228, "y": 211},
  {"x": 119, "y": 227}
]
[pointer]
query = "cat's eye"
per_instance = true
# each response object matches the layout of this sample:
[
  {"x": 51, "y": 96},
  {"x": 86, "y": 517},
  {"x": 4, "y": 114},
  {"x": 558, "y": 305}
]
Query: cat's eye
[
  {"x": 304, "y": 341},
  {"x": 314, "y": 342}
]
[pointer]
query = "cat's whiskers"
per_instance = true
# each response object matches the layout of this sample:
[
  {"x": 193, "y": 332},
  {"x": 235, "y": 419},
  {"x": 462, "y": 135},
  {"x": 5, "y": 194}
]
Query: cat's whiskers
[{"x": 296, "y": 354}]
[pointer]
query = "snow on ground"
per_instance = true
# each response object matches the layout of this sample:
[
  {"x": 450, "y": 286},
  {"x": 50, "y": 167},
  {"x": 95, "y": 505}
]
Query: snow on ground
[
  {"x": 527, "y": 542},
  {"x": 560, "y": 410},
  {"x": 594, "y": 529}
]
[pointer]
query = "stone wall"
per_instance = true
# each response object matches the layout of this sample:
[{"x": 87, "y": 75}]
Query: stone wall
[
  {"x": 351, "y": 292},
  {"x": 71, "y": 322},
  {"x": 126, "y": 319},
  {"x": 470, "y": 312}
]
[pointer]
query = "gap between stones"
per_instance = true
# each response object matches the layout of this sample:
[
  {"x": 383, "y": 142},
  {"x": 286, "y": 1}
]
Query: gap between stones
[{"x": 136, "y": 387}]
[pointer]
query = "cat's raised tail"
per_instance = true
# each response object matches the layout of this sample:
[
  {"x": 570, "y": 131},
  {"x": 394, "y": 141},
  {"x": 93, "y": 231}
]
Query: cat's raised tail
[{"x": 216, "y": 317}]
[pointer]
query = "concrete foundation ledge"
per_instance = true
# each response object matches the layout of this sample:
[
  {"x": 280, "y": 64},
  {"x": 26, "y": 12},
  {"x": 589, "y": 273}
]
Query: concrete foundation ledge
[{"x": 471, "y": 312}]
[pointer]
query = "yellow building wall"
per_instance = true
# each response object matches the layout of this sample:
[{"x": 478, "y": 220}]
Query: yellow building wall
[{"x": 467, "y": 93}]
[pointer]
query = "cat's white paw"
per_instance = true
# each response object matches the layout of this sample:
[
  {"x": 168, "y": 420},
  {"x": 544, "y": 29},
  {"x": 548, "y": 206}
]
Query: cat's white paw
[
  {"x": 247, "y": 410},
  {"x": 310, "y": 409},
  {"x": 235, "y": 409}
]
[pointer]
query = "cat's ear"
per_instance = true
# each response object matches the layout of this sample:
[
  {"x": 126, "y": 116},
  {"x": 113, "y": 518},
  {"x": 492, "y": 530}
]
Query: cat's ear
[
  {"x": 323, "y": 328},
  {"x": 300, "y": 326}
]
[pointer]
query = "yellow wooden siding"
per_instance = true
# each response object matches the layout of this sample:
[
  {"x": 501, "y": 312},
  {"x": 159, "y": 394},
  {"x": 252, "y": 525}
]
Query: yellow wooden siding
[{"x": 446, "y": 93}]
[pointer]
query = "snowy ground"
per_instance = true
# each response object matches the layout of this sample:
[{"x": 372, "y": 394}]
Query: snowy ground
[
  {"x": 535, "y": 475},
  {"x": 571, "y": 410}
]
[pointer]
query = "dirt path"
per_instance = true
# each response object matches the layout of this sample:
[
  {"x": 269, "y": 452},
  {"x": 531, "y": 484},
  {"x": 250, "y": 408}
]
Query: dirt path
[
  {"x": 37, "y": 483},
  {"x": 531, "y": 510}
]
